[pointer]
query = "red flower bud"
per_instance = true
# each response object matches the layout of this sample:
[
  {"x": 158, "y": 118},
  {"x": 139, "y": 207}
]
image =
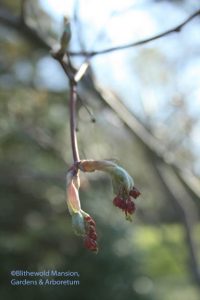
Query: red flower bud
[
  {"x": 92, "y": 235},
  {"x": 91, "y": 229},
  {"x": 117, "y": 201},
  {"x": 90, "y": 244},
  {"x": 130, "y": 207},
  {"x": 123, "y": 205},
  {"x": 90, "y": 221},
  {"x": 134, "y": 193}
]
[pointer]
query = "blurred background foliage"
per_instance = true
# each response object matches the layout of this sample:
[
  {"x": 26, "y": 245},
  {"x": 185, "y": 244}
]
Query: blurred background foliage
[{"x": 150, "y": 258}]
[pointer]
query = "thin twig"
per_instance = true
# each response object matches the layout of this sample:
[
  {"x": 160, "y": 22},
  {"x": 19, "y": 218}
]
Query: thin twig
[
  {"x": 71, "y": 72},
  {"x": 117, "y": 48},
  {"x": 93, "y": 120},
  {"x": 67, "y": 68},
  {"x": 73, "y": 99}
]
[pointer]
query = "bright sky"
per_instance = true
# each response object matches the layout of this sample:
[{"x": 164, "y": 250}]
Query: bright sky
[{"x": 59, "y": 7}]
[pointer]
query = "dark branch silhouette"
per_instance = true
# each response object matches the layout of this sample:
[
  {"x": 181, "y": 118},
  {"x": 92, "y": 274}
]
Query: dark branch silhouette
[{"x": 18, "y": 24}]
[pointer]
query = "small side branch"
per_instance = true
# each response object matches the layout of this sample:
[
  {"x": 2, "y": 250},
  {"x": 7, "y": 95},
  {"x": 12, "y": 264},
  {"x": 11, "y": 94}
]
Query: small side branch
[{"x": 139, "y": 43}]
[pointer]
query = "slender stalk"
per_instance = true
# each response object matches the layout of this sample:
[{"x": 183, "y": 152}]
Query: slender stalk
[{"x": 72, "y": 112}]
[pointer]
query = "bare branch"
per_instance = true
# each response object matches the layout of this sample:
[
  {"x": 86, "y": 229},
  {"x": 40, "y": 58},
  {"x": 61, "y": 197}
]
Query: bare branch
[
  {"x": 72, "y": 113},
  {"x": 139, "y": 43}
]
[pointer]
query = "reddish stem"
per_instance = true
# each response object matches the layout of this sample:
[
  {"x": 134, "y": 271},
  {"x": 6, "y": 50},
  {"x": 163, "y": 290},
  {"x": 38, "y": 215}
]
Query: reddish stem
[{"x": 72, "y": 111}]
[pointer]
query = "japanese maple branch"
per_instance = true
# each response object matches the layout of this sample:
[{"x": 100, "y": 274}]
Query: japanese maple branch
[
  {"x": 72, "y": 110},
  {"x": 117, "y": 48},
  {"x": 74, "y": 76}
]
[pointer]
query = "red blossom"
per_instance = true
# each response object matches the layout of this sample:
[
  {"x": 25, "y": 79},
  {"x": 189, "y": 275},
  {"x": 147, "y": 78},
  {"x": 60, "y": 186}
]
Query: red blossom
[
  {"x": 126, "y": 204},
  {"x": 134, "y": 193},
  {"x": 130, "y": 206},
  {"x": 91, "y": 235},
  {"x": 119, "y": 202},
  {"x": 90, "y": 221},
  {"x": 123, "y": 187},
  {"x": 90, "y": 244}
]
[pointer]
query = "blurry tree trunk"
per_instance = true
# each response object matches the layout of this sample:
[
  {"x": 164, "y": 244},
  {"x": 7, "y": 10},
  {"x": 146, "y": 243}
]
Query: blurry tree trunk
[{"x": 183, "y": 203}]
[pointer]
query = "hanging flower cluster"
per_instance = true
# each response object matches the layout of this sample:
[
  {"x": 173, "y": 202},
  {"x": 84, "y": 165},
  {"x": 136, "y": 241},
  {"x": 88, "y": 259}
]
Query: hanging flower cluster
[
  {"x": 82, "y": 223},
  {"x": 123, "y": 187},
  {"x": 125, "y": 202}
]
